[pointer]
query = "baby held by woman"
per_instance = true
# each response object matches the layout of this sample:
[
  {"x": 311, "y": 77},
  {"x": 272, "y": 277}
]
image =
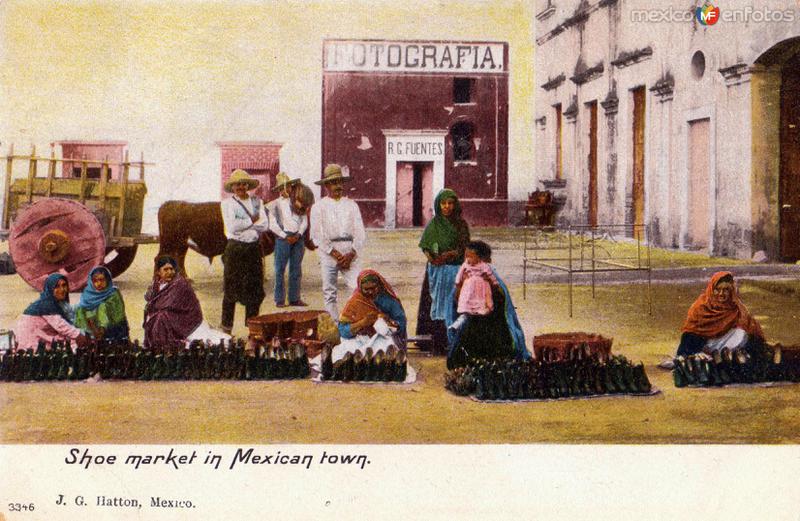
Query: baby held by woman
[{"x": 474, "y": 283}]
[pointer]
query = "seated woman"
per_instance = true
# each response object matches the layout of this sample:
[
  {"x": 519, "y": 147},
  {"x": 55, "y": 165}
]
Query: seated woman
[
  {"x": 49, "y": 318},
  {"x": 172, "y": 311},
  {"x": 494, "y": 336},
  {"x": 718, "y": 320},
  {"x": 373, "y": 317},
  {"x": 101, "y": 311}
]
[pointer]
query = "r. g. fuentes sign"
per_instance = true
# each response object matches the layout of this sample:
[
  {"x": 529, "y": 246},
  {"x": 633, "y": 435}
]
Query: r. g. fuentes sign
[{"x": 414, "y": 56}]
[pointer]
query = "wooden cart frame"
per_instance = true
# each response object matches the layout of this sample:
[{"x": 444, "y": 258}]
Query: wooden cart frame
[{"x": 116, "y": 205}]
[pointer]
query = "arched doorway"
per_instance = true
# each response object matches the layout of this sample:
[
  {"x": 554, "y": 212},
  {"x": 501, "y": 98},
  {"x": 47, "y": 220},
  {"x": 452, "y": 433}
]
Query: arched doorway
[{"x": 775, "y": 98}]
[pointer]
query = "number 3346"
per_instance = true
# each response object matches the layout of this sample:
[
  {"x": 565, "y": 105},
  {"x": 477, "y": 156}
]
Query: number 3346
[{"x": 20, "y": 507}]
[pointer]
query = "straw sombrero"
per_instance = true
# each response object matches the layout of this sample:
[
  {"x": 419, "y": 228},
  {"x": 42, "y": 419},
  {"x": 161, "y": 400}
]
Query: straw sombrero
[
  {"x": 332, "y": 172},
  {"x": 239, "y": 176},
  {"x": 282, "y": 179}
]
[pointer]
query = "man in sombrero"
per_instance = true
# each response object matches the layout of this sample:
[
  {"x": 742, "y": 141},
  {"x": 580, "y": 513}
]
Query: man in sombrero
[
  {"x": 338, "y": 232},
  {"x": 245, "y": 219}
]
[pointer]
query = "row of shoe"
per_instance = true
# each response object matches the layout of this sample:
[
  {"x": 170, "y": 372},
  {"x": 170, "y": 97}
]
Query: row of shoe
[
  {"x": 127, "y": 360},
  {"x": 729, "y": 366},
  {"x": 534, "y": 379},
  {"x": 370, "y": 366}
]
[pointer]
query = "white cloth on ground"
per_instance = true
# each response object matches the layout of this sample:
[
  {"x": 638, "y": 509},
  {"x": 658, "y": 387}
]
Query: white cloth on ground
[
  {"x": 205, "y": 332},
  {"x": 735, "y": 338},
  {"x": 380, "y": 341}
]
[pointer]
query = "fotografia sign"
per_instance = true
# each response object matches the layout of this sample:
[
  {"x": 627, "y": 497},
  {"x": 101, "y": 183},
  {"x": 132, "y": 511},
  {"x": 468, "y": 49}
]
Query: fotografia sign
[{"x": 414, "y": 56}]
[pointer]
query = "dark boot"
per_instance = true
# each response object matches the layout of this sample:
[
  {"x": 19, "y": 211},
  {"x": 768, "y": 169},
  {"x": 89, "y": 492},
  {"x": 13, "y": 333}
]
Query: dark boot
[
  {"x": 744, "y": 366},
  {"x": 479, "y": 377},
  {"x": 401, "y": 371},
  {"x": 301, "y": 360},
  {"x": 678, "y": 377},
  {"x": 5, "y": 366},
  {"x": 359, "y": 366},
  {"x": 159, "y": 367},
  {"x": 327, "y": 362},
  {"x": 391, "y": 364},
  {"x": 37, "y": 363},
  {"x": 641, "y": 382},
  {"x": 270, "y": 363},
  {"x": 698, "y": 370},
  {"x": 371, "y": 371}
]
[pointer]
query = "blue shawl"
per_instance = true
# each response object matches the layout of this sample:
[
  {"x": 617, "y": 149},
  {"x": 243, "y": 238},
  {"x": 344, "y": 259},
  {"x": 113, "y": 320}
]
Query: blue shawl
[
  {"x": 91, "y": 298},
  {"x": 47, "y": 303},
  {"x": 512, "y": 321}
]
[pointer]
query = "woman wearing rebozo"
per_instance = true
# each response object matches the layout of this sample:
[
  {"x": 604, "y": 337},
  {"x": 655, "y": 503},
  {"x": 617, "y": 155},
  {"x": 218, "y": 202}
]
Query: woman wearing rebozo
[
  {"x": 373, "y": 318},
  {"x": 101, "y": 310},
  {"x": 172, "y": 314},
  {"x": 718, "y": 320},
  {"x": 49, "y": 318},
  {"x": 443, "y": 243},
  {"x": 496, "y": 333}
]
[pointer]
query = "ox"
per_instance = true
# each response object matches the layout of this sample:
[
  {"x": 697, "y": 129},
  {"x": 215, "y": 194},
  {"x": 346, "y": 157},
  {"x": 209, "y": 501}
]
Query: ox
[{"x": 199, "y": 226}]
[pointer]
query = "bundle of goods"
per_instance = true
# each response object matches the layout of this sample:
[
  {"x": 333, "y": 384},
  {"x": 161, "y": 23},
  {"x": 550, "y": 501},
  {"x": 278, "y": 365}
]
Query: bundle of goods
[
  {"x": 369, "y": 366},
  {"x": 581, "y": 374},
  {"x": 126, "y": 360},
  {"x": 726, "y": 366}
]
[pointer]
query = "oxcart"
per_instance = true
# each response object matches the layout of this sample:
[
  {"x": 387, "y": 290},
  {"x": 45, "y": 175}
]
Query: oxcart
[{"x": 71, "y": 224}]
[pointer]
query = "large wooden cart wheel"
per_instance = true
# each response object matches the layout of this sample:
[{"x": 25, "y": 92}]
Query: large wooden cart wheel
[
  {"x": 119, "y": 259},
  {"x": 56, "y": 235}
]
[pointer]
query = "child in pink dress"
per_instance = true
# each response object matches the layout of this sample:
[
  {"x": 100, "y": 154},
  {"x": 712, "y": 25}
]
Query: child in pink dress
[{"x": 474, "y": 283}]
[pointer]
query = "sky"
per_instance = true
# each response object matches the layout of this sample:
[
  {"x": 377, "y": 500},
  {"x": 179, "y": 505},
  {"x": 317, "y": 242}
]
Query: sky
[{"x": 173, "y": 78}]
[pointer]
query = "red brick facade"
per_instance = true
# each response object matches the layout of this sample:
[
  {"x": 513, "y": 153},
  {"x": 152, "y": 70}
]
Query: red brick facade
[
  {"x": 113, "y": 151},
  {"x": 369, "y": 115},
  {"x": 260, "y": 159}
]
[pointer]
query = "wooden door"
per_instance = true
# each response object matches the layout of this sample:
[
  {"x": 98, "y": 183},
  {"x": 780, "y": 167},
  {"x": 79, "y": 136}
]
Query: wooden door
[
  {"x": 426, "y": 172},
  {"x": 699, "y": 184},
  {"x": 405, "y": 194},
  {"x": 414, "y": 193},
  {"x": 559, "y": 153},
  {"x": 592, "y": 163},
  {"x": 638, "y": 155},
  {"x": 789, "y": 195}
]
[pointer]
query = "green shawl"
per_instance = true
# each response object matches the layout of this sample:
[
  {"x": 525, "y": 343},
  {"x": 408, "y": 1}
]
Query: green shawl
[
  {"x": 445, "y": 233},
  {"x": 107, "y": 314}
]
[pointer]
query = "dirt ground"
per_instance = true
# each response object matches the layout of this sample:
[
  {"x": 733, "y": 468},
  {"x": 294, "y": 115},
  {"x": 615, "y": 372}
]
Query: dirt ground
[{"x": 306, "y": 412}]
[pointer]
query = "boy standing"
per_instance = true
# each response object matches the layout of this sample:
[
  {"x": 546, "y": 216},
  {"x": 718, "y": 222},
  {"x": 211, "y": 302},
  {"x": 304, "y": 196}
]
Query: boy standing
[{"x": 289, "y": 222}]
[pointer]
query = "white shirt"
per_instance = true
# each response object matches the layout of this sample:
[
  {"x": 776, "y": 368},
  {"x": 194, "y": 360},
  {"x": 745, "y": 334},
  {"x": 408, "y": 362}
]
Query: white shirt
[
  {"x": 238, "y": 225},
  {"x": 331, "y": 220},
  {"x": 284, "y": 220}
]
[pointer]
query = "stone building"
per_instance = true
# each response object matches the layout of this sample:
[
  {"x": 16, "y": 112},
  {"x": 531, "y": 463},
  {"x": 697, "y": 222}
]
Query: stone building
[
  {"x": 682, "y": 117},
  {"x": 411, "y": 117}
]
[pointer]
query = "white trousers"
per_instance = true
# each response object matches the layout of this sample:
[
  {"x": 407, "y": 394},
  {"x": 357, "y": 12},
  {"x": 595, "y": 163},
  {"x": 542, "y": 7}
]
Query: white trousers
[{"x": 330, "y": 277}]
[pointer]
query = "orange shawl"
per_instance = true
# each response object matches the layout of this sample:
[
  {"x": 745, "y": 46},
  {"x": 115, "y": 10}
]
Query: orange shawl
[
  {"x": 359, "y": 306},
  {"x": 709, "y": 319}
]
